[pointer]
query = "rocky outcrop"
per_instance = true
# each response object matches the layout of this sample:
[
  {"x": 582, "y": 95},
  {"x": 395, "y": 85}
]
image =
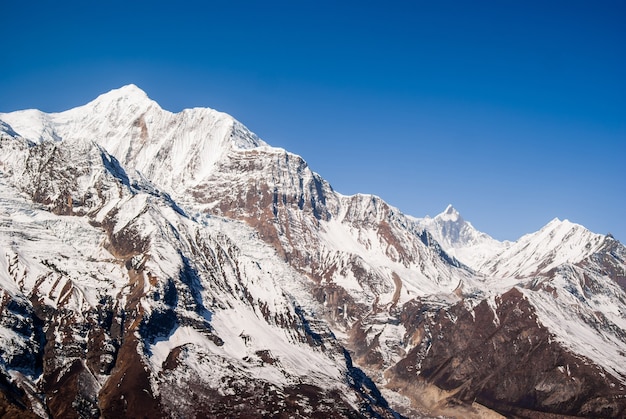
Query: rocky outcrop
[{"x": 501, "y": 356}]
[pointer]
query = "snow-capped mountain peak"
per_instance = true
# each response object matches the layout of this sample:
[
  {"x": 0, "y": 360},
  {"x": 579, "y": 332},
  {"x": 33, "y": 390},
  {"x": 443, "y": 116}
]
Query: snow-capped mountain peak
[
  {"x": 450, "y": 214},
  {"x": 459, "y": 238},
  {"x": 128, "y": 98},
  {"x": 558, "y": 242},
  {"x": 170, "y": 149},
  {"x": 561, "y": 224},
  {"x": 130, "y": 92}
]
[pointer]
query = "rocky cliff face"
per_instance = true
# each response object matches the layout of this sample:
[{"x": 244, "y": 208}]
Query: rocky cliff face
[{"x": 170, "y": 265}]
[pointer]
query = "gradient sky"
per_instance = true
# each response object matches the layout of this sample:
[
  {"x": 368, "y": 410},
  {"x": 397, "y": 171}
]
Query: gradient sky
[{"x": 513, "y": 111}]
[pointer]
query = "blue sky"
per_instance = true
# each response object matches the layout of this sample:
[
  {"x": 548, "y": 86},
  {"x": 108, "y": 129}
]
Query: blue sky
[{"x": 513, "y": 111}]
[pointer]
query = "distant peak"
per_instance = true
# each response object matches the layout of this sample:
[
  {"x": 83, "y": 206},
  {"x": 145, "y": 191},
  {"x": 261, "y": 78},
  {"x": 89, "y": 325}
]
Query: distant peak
[
  {"x": 129, "y": 94},
  {"x": 450, "y": 210},
  {"x": 128, "y": 91},
  {"x": 563, "y": 225},
  {"x": 450, "y": 214},
  {"x": 131, "y": 88},
  {"x": 556, "y": 222}
]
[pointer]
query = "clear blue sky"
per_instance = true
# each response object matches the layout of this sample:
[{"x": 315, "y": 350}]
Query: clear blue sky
[{"x": 513, "y": 111}]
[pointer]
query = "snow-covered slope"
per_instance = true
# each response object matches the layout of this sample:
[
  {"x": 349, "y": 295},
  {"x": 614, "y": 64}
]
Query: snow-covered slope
[
  {"x": 181, "y": 255},
  {"x": 557, "y": 243}
]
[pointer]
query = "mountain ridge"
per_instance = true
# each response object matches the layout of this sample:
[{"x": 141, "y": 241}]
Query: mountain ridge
[
  {"x": 133, "y": 96},
  {"x": 244, "y": 256}
]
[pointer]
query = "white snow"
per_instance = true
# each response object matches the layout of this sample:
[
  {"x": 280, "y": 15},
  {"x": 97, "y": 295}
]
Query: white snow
[{"x": 557, "y": 243}]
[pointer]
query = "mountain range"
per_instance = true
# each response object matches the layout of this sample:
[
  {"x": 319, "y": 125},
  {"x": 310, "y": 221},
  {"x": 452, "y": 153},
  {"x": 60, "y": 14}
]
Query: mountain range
[{"x": 159, "y": 264}]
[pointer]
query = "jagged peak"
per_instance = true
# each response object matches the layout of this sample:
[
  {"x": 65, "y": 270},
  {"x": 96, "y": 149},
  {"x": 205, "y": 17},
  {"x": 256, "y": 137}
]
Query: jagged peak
[
  {"x": 557, "y": 223},
  {"x": 450, "y": 210},
  {"x": 557, "y": 232},
  {"x": 131, "y": 101},
  {"x": 450, "y": 214}
]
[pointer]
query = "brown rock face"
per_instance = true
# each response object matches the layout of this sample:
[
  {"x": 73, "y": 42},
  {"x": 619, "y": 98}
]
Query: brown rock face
[
  {"x": 610, "y": 261},
  {"x": 127, "y": 392},
  {"x": 506, "y": 360}
]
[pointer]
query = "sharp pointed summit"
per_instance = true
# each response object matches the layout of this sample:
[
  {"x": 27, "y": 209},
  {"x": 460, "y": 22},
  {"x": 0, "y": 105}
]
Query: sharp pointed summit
[
  {"x": 450, "y": 214},
  {"x": 451, "y": 210},
  {"x": 460, "y": 239}
]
